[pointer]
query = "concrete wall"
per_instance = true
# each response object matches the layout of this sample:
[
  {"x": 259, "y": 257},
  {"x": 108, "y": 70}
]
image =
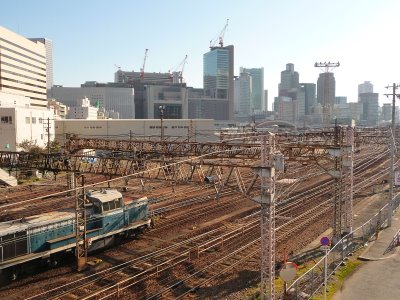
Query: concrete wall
[{"x": 119, "y": 129}]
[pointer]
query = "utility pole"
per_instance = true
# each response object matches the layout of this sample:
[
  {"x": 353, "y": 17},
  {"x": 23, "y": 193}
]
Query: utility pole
[
  {"x": 162, "y": 108},
  {"x": 80, "y": 226},
  {"x": 48, "y": 135},
  {"x": 394, "y": 87}
]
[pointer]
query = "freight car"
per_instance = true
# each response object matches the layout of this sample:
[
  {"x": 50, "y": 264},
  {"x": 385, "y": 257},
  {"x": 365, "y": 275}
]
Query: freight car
[{"x": 46, "y": 237}]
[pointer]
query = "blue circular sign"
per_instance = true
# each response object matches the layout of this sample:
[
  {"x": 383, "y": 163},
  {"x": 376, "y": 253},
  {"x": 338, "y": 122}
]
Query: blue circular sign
[{"x": 325, "y": 241}]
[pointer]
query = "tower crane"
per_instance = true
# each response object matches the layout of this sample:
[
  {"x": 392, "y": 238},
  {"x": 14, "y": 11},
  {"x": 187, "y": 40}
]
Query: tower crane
[
  {"x": 184, "y": 62},
  {"x": 144, "y": 64},
  {"x": 220, "y": 37}
]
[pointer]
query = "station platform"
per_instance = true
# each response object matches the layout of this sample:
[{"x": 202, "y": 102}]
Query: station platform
[{"x": 378, "y": 278}]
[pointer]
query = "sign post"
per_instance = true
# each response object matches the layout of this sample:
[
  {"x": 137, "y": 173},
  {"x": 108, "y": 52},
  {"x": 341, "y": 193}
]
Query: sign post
[
  {"x": 288, "y": 272},
  {"x": 325, "y": 242}
]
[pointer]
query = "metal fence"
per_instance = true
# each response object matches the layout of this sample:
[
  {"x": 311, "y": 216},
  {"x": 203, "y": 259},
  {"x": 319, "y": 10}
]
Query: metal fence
[{"x": 310, "y": 282}]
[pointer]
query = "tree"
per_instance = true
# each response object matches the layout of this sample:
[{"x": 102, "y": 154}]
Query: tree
[{"x": 30, "y": 146}]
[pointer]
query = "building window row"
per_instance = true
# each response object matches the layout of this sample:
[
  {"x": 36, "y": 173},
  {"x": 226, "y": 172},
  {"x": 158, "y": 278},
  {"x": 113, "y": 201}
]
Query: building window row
[
  {"x": 24, "y": 90},
  {"x": 24, "y": 62},
  {"x": 24, "y": 55},
  {"x": 20, "y": 47},
  {"x": 175, "y": 127},
  {"x": 23, "y": 69},
  {"x": 22, "y": 82},
  {"x": 6, "y": 120},
  {"x": 24, "y": 76},
  {"x": 157, "y": 127},
  {"x": 93, "y": 127}
]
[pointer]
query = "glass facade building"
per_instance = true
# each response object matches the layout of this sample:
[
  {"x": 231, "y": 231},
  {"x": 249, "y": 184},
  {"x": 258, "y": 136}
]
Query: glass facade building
[
  {"x": 216, "y": 73},
  {"x": 218, "y": 67},
  {"x": 257, "y": 87}
]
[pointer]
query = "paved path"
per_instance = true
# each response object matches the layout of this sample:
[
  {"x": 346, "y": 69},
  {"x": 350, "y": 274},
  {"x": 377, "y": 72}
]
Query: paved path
[{"x": 379, "y": 277}]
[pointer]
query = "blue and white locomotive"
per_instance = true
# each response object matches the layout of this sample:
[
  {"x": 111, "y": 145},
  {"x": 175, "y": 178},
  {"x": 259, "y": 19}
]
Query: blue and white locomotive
[{"x": 46, "y": 236}]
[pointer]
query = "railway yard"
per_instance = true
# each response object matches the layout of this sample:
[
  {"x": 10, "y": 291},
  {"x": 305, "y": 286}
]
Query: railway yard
[{"x": 205, "y": 241}]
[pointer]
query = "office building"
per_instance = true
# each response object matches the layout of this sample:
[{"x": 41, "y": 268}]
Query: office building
[
  {"x": 309, "y": 96},
  {"x": 370, "y": 106},
  {"x": 206, "y": 107},
  {"x": 340, "y": 100},
  {"x": 243, "y": 96},
  {"x": 290, "y": 104},
  {"x": 82, "y": 110},
  {"x": 366, "y": 87},
  {"x": 109, "y": 96},
  {"x": 23, "y": 67},
  {"x": 326, "y": 86},
  {"x": 48, "y": 44},
  {"x": 171, "y": 98},
  {"x": 218, "y": 74},
  {"x": 257, "y": 87},
  {"x": 289, "y": 80}
]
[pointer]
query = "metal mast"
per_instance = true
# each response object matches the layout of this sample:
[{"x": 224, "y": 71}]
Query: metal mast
[
  {"x": 347, "y": 163},
  {"x": 80, "y": 226},
  {"x": 326, "y": 106},
  {"x": 337, "y": 175},
  {"x": 266, "y": 171},
  {"x": 392, "y": 146}
]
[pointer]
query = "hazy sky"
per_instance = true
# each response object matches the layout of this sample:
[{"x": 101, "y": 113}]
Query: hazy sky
[{"x": 91, "y": 36}]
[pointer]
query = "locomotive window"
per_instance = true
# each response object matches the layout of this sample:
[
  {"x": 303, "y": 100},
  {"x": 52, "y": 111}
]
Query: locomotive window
[
  {"x": 96, "y": 208},
  {"x": 118, "y": 203},
  {"x": 106, "y": 207},
  {"x": 112, "y": 205}
]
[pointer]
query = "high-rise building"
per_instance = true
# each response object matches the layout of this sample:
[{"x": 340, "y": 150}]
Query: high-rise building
[
  {"x": 243, "y": 95},
  {"x": 289, "y": 80},
  {"x": 340, "y": 100},
  {"x": 290, "y": 104},
  {"x": 48, "y": 44},
  {"x": 309, "y": 96},
  {"x": 266, "y": 100},
  {"x": 218, "y": 74},
  {"x": 326, "y": 86},
  {"x": 257, "y": 87},
  {"x": 366, "y": 87},
  {"x": 370, "y": 108},
  {"x": 23, "y": 67}
]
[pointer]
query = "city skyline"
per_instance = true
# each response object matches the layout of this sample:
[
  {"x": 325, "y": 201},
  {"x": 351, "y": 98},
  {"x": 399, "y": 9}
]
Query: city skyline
[{"x": 89, "y": 40}]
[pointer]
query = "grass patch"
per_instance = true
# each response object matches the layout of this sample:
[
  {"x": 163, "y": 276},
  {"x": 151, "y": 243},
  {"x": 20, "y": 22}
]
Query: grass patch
[
  {"x": 253, "y": 293},
  {"x": 336, "y": 281}
]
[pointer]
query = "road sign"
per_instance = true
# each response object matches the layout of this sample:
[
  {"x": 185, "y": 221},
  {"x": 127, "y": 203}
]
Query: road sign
[
  {"x": 288, "y": 272},
  {"x": 325, "y": 241},
  {"x": 325, "y": 248}
]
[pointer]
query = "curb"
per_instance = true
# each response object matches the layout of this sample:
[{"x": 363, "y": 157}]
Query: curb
[{"x": 367, "y": 258}]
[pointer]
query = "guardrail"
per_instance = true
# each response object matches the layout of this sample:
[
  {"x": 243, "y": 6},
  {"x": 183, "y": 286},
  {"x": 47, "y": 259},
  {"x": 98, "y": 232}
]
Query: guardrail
[{"x": 310, "y": 282}]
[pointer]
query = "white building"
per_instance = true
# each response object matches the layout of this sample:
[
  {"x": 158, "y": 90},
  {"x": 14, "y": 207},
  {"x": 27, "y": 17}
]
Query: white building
[
  {"x": 243, "y": 96},
  {"x": 23, "y": 67},
  {"x": 83, "y": 110},
  {"x": 21, "y": 121}
]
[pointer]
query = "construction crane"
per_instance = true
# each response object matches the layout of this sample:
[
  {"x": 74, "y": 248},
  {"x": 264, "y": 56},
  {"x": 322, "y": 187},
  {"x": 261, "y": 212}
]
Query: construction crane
[
  {"x": 144, "y": 64},
  {"x": 220, "y": 37},
  {"x": 178, "y": 71}
]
